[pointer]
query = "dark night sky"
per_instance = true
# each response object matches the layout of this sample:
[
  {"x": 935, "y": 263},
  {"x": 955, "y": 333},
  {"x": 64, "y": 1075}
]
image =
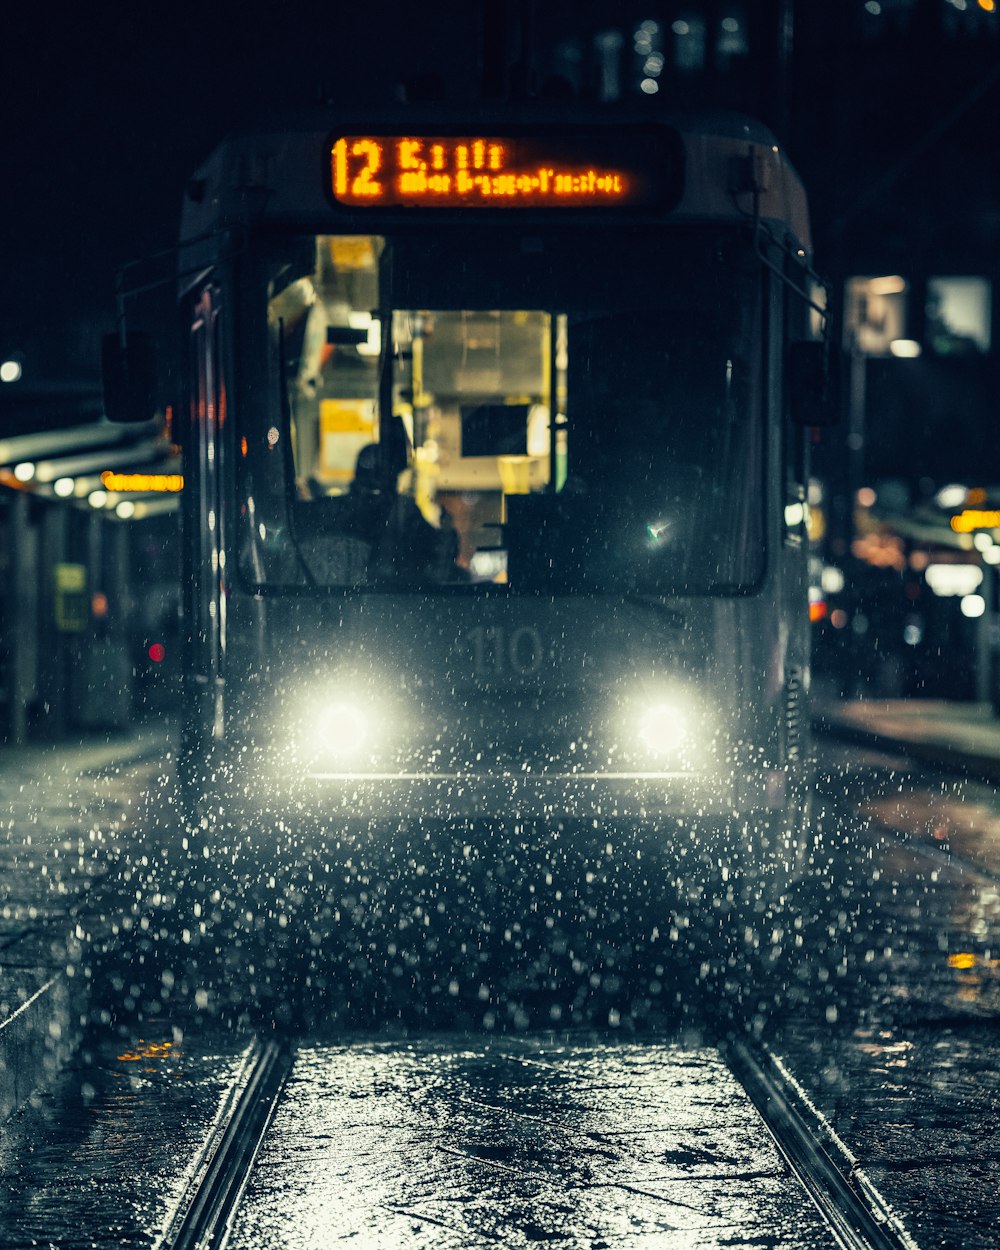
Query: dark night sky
[{"x": 107, "y": 110}]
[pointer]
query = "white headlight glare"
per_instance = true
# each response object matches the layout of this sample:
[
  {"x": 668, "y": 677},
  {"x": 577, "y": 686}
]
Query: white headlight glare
[
  {"x": 663, "y": 727},
  {"x": 341, "y": 728}
]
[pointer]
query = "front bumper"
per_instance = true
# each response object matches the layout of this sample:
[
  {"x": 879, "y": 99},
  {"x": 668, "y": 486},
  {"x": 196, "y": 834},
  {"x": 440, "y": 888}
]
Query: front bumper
[{"x": 442, "y": 796}]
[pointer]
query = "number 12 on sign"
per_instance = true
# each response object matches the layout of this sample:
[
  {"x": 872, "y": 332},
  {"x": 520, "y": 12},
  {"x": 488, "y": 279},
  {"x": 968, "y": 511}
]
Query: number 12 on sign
[{"x": 355, "y": 167}]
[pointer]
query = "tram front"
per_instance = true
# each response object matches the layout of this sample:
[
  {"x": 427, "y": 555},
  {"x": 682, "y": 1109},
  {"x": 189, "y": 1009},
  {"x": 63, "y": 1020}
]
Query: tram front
[{"x": 506, "y": 538}]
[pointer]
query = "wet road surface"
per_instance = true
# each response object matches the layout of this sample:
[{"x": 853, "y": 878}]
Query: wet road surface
[
  {"x": 461, "y": 1143},
  {"x": 102, "y": 1160},
  {"x": 876, "y": 979}
]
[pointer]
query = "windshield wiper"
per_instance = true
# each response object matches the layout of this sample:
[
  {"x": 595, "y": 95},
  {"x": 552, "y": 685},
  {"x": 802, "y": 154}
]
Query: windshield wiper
[{"x": 667, "y": 614}]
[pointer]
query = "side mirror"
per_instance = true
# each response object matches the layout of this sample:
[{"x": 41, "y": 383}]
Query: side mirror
[
  {"x": 813, "y": 383},
  {"x": 128, "y": 378}
]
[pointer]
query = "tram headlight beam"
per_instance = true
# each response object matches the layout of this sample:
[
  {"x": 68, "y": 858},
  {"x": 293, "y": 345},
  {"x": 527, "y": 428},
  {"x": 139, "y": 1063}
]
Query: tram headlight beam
[
  {"x": 664, "y": 727},
  {"x": 342, "y": 728},
  {"x": 336, "y": 727},
  {"x": 669, "y": 727}
]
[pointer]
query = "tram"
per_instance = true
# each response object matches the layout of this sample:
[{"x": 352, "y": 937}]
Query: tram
[{"x": 495, "y": 469}]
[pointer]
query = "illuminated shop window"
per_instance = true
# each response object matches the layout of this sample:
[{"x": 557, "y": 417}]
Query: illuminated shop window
[
  {"x": 958, "y": 315},
  {"x": 875, "y": 313}
]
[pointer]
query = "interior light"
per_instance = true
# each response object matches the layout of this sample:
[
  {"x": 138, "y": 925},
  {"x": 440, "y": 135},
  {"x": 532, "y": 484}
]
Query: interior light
[
  {"x": 372, "y": 346},
  {"x": 64, "y": 487},
  {"x": 24, "y": 472},
  {"x": 992, "y": 555},
  {"x": 905, "y": 349},
  {"x": 982, "y": 541},
  {"x": 893, "y": 284},
  {"x": 97, "y": 498},
  {"x": 125, "y": 510}
]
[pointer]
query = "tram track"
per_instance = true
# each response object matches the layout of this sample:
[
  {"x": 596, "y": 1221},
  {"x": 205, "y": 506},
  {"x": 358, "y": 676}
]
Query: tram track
[
  {"x": 202, "y": 1218},
  {"x": 848, "y": 1204}
]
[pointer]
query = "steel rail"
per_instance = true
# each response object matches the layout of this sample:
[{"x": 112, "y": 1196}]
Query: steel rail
[
  {"x": 849, "y": 1203},
  {"x": 203, "y": 1216}
]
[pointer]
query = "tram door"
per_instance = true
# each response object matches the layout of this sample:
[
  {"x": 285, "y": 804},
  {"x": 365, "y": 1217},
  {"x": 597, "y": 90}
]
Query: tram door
[{"x": 204, "y": 516}]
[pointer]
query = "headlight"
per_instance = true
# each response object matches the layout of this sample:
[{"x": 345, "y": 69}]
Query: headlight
[
  {"x": 337, "y": 724},
  {"x": 342, "y": 729},
  {"x": 664, "y": 728},
  {"x": 666, "y": 725}
]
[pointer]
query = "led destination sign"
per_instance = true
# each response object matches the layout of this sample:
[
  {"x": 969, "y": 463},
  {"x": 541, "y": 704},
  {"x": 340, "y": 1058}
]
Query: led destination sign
[{"x": 594, "y": 170}]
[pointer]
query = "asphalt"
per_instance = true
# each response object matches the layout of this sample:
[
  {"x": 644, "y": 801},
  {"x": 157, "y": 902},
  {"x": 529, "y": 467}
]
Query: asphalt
[{"x": 49, "y": 794}]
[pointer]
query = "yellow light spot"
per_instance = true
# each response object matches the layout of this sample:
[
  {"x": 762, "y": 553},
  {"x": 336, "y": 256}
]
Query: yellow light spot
[
  {"x": 988, "y": 6},
  {"x": 147, "y": 1050},
  {"x": 962, "y": 961},
  {"x": 970, "y": 519},
  {"x": 126, "y": 482}
]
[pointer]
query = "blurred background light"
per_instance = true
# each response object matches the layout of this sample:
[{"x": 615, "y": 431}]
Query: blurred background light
[
  {"x": 951, "y": 496},
  {"x": 973, "y": 605},
  {"x": 953, "y": 579}
]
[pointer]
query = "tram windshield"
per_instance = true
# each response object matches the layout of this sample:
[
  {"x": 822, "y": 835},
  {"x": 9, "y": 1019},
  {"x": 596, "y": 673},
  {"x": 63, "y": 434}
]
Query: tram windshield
[{"x": 577, "y": 411}]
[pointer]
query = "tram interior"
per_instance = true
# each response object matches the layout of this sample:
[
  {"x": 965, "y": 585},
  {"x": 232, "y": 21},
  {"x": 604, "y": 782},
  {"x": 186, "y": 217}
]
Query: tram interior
[{"x": 469, "y": 476}]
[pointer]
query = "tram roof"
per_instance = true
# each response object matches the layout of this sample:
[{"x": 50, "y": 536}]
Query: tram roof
[{"x": 273, "y": 172}]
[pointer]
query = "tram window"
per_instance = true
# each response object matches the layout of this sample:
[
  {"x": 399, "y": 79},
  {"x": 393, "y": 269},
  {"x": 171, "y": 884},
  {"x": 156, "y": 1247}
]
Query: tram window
[
  {"x": 475, "y": 389},
  {"x": 322, "y": 320},
  {"x": 613, "y": 438}
]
